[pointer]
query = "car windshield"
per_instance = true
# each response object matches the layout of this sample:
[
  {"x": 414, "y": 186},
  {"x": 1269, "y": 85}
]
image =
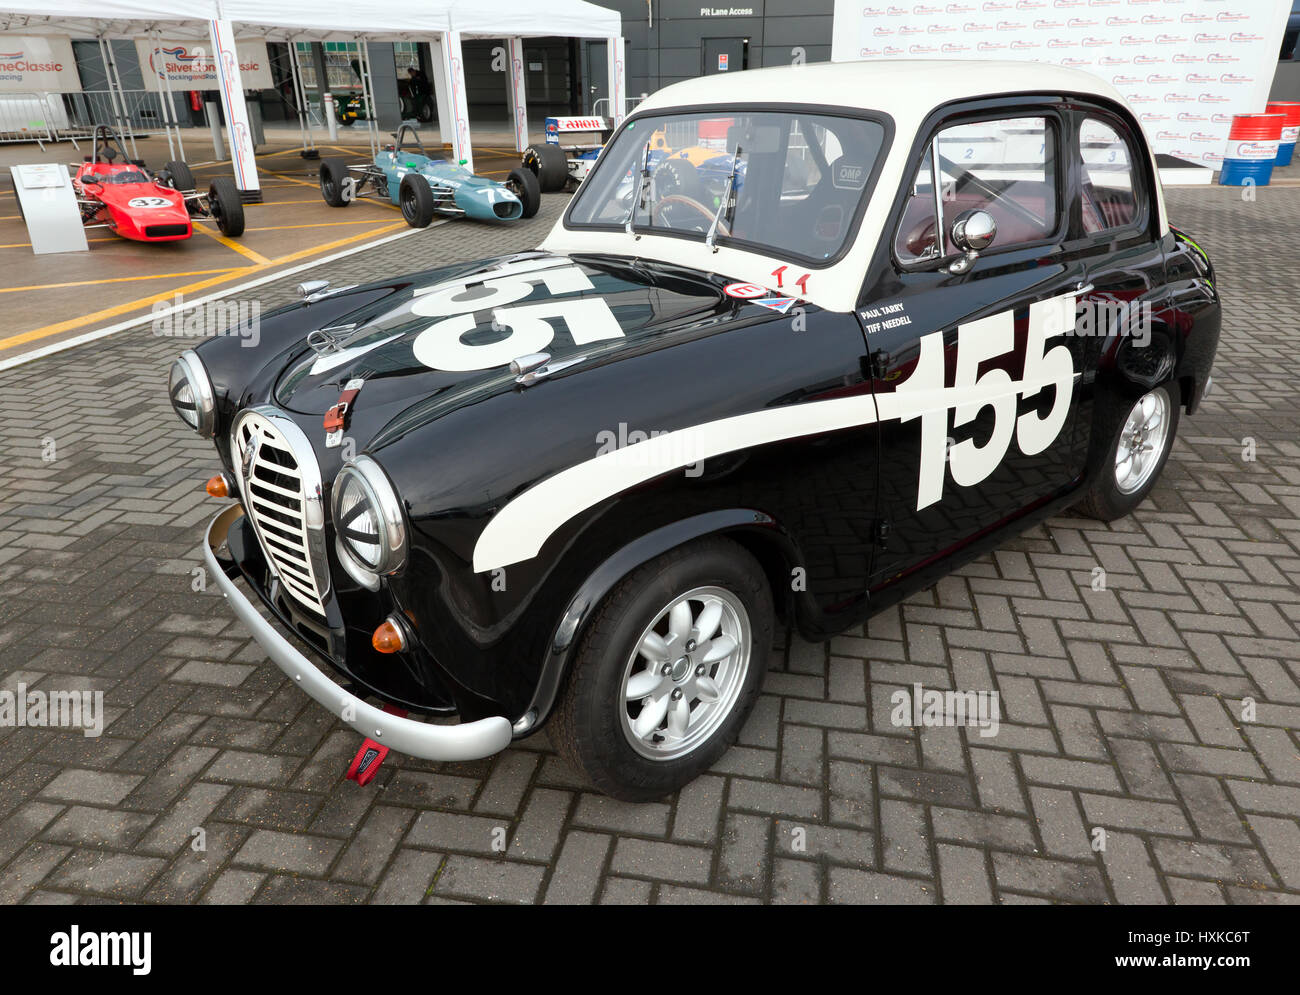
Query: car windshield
[{"x": 799, "y": 179}]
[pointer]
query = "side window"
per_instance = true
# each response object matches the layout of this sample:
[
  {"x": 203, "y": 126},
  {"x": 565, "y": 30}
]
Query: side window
[
  {"x": 1007, "y": 167},
  {"x": 1111, "y": 187}
]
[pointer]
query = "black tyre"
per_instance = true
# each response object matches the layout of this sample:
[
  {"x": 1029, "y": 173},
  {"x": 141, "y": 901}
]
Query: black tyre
[
  {"x": 226, "y": 206},
  {"x": 523, "y": 184},
  {"x": 667, "y": 671},
  {"x": 549, "y": 164},
  {"x": 425, "y": 111},
  {"x": 333, "y": 181},
  {"x": 179, "y": 176},
  {"x": 416, "y": 200},
  {"x": 1135, "y": 439}
]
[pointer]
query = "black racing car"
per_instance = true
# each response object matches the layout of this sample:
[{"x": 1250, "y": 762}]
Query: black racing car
[{"x": 580, "y": 485}]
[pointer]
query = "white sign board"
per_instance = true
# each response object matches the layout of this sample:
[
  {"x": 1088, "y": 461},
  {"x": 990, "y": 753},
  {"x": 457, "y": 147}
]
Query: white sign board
[
  {"x": 35, "y": 63},
  {"x": 189, "y": 64},
  {"x": 49, "y": 207},
  {"x": 1184, "y": 66}
]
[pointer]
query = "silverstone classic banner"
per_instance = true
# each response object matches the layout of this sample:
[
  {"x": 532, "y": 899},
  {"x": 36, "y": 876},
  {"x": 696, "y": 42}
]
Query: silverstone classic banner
[
  {"x": 189, "y": 64},
  {"x": 1185, "y": 66},
  {"x": 36, "y": 63}
]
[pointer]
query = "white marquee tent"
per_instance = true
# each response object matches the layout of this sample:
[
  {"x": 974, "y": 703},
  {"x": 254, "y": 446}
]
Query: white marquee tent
[{"x": 441, "y": 23}]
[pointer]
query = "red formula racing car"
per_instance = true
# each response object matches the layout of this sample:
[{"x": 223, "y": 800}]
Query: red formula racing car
[{"x": 121, "y": 194}]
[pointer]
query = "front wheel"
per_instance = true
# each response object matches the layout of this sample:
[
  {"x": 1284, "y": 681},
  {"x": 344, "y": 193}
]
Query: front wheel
[
  {"x": 1141, "y": 437},
  {"x": 667, "y": 671},
  {"x": 416, "y": 200},
  {"x": 226, "y": 206},
  {"x": 523, "y": 184}
]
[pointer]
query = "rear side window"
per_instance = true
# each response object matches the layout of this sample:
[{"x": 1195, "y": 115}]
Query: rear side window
[
  {"x": 1111, "y": 191},
  {"x": 1007, "y": 167}
]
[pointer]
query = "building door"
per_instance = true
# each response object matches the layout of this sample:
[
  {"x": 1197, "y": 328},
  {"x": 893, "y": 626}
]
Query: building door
[{"x": 724, "y": 55}]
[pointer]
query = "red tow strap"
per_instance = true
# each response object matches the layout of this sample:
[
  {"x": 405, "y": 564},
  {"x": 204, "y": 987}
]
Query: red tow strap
[{"x": 366, "y": 764}]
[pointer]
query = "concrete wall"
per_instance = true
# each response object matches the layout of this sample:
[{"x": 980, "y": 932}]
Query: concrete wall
[{"x": 672, "y": 49}]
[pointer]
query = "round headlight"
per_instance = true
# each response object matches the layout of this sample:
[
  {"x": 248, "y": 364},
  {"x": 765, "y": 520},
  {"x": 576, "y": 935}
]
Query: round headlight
[
  {"x": 191, "y": 394},
  {"x": 368, "y": 517}
]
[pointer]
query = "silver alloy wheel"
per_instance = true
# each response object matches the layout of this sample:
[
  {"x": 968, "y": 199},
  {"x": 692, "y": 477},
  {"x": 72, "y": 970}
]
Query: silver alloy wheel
[
  {"x": 686, "y": 673},
  {"x": 1142, "y": 441}
]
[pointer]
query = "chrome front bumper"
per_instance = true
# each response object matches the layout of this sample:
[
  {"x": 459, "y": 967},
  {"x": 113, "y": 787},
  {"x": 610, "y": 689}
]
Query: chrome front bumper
[{"x": 466, "y": 741}]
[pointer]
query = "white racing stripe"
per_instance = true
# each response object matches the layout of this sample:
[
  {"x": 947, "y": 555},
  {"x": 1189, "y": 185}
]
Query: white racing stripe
[{"x": 518, "y": 530}]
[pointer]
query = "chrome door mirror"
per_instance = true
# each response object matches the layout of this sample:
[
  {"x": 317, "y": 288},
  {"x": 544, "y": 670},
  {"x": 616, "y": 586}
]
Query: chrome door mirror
[{"x": 972, "y": 233}]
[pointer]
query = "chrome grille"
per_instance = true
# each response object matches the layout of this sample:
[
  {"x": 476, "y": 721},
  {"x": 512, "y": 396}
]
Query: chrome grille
[{"x": 281, "y": 488}]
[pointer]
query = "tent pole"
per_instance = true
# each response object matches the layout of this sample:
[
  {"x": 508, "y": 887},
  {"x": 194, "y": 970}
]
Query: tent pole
[
  {"x": 515, "y": 89},
  {"x": 615, "y": 62},
  {"x": 300, "y": 97},
  {"x": 231, "y": 85},
  {"x": 107, "y": 58},
  {"x": 368, "y": 95},
  {"x": 167, "y": 104},
  {"x": 453, "y": 70}
]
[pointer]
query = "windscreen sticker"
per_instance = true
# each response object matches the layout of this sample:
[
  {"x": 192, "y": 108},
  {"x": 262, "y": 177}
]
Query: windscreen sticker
[
  {"x": 849, "y": 175},
  {"x": 779, "y": 304}
]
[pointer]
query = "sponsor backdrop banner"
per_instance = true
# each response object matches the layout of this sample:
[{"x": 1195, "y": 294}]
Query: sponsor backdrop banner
[
  {"x": 1185, "y": 66},
  {"x": 37, "y": 63},
  {"x": 190, "y": 65}
]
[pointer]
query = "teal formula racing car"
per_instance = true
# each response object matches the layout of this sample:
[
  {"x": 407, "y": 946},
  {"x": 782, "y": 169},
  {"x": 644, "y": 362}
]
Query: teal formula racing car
[{"x": 406, "y": 175}]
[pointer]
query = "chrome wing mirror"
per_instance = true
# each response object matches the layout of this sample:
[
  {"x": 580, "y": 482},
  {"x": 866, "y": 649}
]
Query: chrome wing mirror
[{"x": 972, "y": 233}]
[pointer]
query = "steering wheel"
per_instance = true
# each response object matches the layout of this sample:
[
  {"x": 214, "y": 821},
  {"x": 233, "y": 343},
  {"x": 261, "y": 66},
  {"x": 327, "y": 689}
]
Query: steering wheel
[{"x": 692, "y": 203}]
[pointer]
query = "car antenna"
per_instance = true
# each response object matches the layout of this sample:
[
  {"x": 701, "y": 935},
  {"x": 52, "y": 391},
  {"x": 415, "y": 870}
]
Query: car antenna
[
  {"x": 729, "y": 198},
  {"x": 640, "y": 193}
]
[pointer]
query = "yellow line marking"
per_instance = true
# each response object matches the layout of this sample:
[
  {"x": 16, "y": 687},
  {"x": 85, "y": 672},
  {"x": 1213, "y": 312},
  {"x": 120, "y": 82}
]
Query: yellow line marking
[
  {"x": 231, "y": 244},
  {"x": 110, "y": 279},
  {"x": 326, "y": 224},
  {"x": 126, "y": 308}
]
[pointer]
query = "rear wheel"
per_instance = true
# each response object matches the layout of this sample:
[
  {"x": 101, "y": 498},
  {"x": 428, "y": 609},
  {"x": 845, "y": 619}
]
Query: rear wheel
[
  {"x": 549, "y": 164},
  {"x": 226, "y": 206},
  {"x": 1138, "y": 438},
  {"x": 333, "y": 181},
  {"x": 523, "y": 184},
  {"x": 179, "y": 176},
  {"x": 416, "y": 200},
  {"x": 667, "y": 671}
]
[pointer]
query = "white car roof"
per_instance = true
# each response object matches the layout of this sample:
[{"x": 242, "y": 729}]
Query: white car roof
[{"x": 906, "y": 90}]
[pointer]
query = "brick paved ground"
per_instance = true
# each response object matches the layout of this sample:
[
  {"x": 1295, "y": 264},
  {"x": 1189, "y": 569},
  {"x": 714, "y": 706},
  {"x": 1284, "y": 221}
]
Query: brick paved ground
[{"x": 1122, "y": 707}]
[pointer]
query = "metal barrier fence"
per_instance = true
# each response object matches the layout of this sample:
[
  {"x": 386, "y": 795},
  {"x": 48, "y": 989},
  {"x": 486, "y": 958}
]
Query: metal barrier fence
[{"x": 53, "y": 116}]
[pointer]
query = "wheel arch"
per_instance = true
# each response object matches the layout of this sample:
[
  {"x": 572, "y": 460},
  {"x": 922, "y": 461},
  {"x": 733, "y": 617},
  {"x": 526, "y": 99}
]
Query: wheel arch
[{"x": 756, "y": 531}]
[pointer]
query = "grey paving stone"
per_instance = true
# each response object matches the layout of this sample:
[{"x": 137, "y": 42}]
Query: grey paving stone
[{"x": 1122, "y": 709}]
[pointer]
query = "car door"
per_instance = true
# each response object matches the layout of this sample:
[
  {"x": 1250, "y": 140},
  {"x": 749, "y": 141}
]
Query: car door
[
  {"x": 1123, "y": 320},
  {"x": 975, "y": 371}
]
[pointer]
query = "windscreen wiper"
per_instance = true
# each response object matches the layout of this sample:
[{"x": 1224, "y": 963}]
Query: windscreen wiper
[
  {"x": 642, "y": 187},
  {"x": 727, "y": 203}
]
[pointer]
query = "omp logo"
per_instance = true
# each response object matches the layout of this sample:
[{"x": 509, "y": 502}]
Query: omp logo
[{"x": 102, "y": 949}]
